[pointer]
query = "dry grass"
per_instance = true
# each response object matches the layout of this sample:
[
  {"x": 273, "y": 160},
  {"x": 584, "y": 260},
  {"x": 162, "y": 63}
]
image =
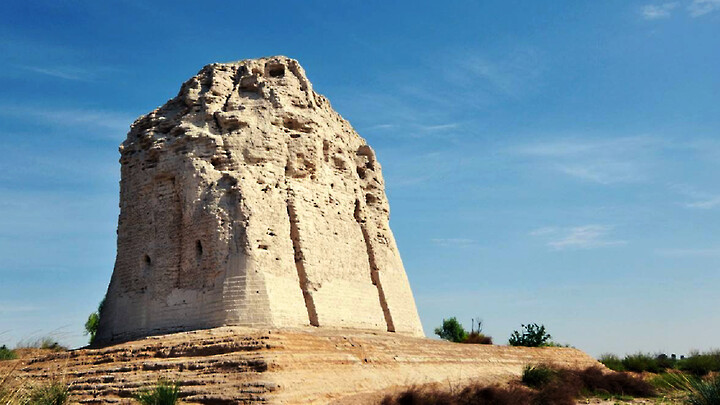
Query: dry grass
[{"x": 557, "y": 387}]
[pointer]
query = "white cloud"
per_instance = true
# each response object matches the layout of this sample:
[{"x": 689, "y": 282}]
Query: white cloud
[
  {"x": 654, "y": 12},
  {"x": 577, "y": 237},
  {"x": 701, "y": 7}
]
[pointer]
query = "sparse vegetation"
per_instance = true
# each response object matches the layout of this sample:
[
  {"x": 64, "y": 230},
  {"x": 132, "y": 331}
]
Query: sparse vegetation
[
  {"x": 164, "y": 393},
  {"x": 7, "y": 354},
  {"x": 533, "y": 335},
  {"x": 699, "y": 364}
]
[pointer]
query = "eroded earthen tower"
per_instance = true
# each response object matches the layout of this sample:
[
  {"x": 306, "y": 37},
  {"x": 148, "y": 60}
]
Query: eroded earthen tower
[{"x": 247, "y": 200}]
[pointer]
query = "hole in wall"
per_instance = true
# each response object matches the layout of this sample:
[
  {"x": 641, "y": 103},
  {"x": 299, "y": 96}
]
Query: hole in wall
[
  {"x": 198, "y": 249},
  {"x": 276, "y": 70}
]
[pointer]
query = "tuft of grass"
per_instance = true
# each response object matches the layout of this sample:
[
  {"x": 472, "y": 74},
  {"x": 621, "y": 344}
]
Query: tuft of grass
[
  {"x": 537, "y": 376},
  {"x": 50, "y": 394},
  {"x": 673, "y": 382},
  {"x": 45, "y": 343},
  {"x": 165, "y": 392},
  {"x": 705, "y": 392},
  {"x": 7, "y": 354}
]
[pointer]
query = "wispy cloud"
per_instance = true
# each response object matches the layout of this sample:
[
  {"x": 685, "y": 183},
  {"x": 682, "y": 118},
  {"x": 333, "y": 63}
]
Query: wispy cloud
[
  {"x": 699, "y": 8},
  {"x": 6, "y": 308},
  {"x": 695, "y": 8},
  {"x": 577, "y": 237},
  {"x": 700, "y": 199},
  {"x": 438, "y": 127},
  {"x": 65, "y": 72},
  {"x": 606, "y": 161},
  {"x": 654, "y": 12},
  {"x": 453, "y": 242},
  {"x": 705, "y": 204},
  {"x": 509, "y": 76},
  {"x": 78, "y": 117},
  {"x": 693, "y": 252}
]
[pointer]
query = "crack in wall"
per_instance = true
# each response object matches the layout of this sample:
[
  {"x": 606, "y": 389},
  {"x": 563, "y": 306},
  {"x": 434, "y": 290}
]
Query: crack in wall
[
  {"x": 300, "y": 264},
  {"x": 374, "y": 270}
]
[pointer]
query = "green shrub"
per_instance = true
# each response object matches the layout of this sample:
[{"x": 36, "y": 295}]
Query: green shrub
[
  {"x": 705, "y": 392},
  {"x": 612, "y": 362},
  {"x": 164, "y": 393},
  {"x": 50, "y": 394},
  {"x": 93, "y": 321},
  {"x": 640, "y": 362},
  {"x": 7, "y": 354},
  {"x": 700, "y": 364},
  {"x": 452, "y": 330},
  {"x": 537, "y": 376},
  {"x": 533, "y": 335}
]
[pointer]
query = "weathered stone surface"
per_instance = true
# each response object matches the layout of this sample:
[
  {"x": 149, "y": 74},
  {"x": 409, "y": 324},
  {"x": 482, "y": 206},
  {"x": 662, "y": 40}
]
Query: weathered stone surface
[{"x": 247, "y": 200}]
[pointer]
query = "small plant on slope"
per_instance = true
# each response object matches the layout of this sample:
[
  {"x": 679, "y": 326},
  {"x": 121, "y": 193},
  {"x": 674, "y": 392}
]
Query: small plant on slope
[
  {"x": 7, "y": 354},
  {"x": 533, "y": 335},
  {"x": 164, "y": 393}
]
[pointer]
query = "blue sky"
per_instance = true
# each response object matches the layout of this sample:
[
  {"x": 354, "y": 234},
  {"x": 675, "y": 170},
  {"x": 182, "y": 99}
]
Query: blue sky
[{"x": 551, "y": 162}]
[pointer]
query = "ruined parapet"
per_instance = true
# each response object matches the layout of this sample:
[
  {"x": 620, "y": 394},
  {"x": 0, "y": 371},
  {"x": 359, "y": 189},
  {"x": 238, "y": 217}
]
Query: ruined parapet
[{"x": 247, "y": 200}]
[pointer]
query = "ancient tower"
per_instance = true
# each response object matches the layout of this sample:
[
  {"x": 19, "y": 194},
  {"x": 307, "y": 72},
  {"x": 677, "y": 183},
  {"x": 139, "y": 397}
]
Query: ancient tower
[{"x": 247, "y": 200}]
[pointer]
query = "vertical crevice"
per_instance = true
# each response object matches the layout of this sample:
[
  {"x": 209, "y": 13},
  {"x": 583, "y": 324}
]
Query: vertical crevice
[
  {"x": 374, "y": 270},
  {"x": 300, "y": 264}
]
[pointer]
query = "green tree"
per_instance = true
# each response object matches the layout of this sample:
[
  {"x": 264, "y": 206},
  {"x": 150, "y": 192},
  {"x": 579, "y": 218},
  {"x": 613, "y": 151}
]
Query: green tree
[
  {"x": 533, "y": 335},
  {"x": 452, "y": 330},
  {"x": 93, "y": 321}
]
